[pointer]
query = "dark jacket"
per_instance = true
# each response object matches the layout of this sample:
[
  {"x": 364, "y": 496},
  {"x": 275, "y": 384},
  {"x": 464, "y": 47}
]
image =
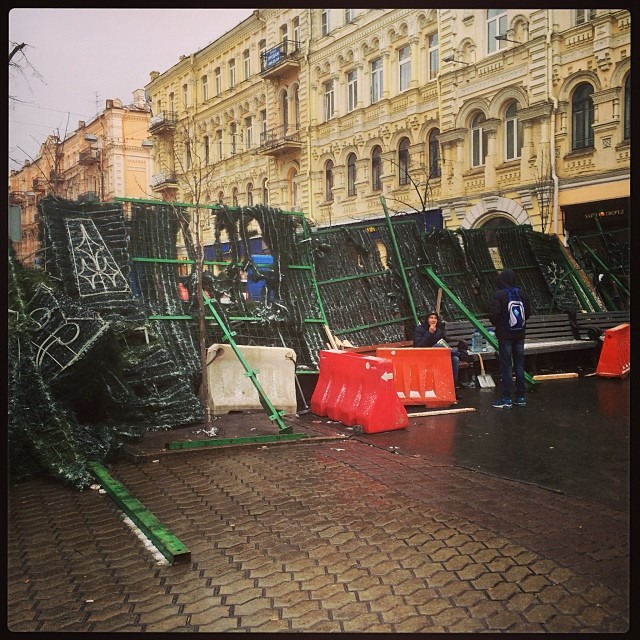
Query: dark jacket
[
  {"x": 422, "y": 337},
  {"x": 498, "y": 306}
]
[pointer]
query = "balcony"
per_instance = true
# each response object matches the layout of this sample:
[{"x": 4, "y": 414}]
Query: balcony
[
  {"x": 280, "y": 59},
  {"x": 89, "y": 156},
  {"x": 279, "y": 141},
  {"x": 163, "y": 122},
  {"x": 164, "y": 180}
]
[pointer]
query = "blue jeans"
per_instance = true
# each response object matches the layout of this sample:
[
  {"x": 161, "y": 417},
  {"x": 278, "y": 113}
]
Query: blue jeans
[
  {"x": 455, "y": 363},
  {"x": 511, "y": 357}
]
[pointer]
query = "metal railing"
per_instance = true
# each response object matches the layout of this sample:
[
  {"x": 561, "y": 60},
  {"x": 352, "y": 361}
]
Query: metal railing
[{"x": 281, "y": 52}]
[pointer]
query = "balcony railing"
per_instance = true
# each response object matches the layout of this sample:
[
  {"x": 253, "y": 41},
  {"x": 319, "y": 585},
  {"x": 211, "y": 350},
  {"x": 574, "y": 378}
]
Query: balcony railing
[
  {"x": 162, "y": 120},
  {"x": 279, "y": 140},
  {"x": 280, "y": 58},
  {"x": 89, "y": 156},
  {"x": 163, "y": 178}
]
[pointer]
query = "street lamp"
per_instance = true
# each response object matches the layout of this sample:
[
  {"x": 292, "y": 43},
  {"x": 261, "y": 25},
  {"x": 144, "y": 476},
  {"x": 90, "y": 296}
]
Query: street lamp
[
  {"x": 451, "y": 58},
  {"x": 504, "y": 38}
]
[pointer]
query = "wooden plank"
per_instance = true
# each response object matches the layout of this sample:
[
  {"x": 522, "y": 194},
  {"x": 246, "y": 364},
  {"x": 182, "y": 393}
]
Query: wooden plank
[
  {"x": 439, "y": 412},
  {"x": 555, "y": 376}
]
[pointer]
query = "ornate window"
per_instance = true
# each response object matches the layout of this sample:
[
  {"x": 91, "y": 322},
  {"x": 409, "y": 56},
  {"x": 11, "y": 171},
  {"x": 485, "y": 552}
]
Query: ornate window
[
  {"x": 376, "y": 168},
  {"x": 582, "y": 117},
  {"x": 328, "y": 100},
  {"x": 218, "y": 80},
  {"x": 352, "y": 89},
  {"x": 250, "y": 194},
  {"x": 351, "y": 174},
  {"x": 326, "y": 25},
  {"x": 376, "y": 80},
  {"x": 403, "y": 161},
  {"x": 232, "y": 73},
  {"x": 434, "y": 154},
  {"x": 234, "y": 197},
  {"x": 434, "y": 56},
  {"x": 513, "y": 133},
  {"x": 247, "y": 64},
  {"x": 265, "y": 191},
  {"x": 404, "y": 68},
  {"x": 205, "y": 89},
  {"x": 328, "y": 181},
  {"x": 478, "y": 141},
  {"x": 205, "y": 146}
]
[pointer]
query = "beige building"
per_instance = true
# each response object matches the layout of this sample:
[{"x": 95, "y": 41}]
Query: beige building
[
  {"x": 326, "y": 110},
  {"x": 99, "y": 161}
]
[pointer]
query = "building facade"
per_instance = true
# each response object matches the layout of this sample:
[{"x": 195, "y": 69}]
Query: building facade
[{"x": 107, "y": 158}]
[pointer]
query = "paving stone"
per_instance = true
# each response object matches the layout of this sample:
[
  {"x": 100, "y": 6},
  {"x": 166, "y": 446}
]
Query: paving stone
[
  {"x": 540, "y": 613},
  {"x": 365, "y": 622}
]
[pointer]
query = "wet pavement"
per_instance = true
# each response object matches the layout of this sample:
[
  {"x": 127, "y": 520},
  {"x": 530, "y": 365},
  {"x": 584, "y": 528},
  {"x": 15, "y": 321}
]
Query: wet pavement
[{"x": 479, "y": 521}]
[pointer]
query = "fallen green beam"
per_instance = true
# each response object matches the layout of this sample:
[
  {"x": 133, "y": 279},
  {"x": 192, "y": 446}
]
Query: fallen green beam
[
  {"x": 168, "y": 544},
  {"x": 197, "y": 444}
]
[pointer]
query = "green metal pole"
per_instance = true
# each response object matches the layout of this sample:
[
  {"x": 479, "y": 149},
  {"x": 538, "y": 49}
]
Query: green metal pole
[
  {"x": 272, "y": 412},
  {"x": 399, "y": 258},
  {"x": 474, "y": 321}
]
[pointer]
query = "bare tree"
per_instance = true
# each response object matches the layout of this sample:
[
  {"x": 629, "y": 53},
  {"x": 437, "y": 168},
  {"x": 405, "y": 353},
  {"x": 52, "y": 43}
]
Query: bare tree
[
  {"x": 188, "y": 159},
  {"x": 543, "y": 188},
  {"x": 419, "y": 175}
]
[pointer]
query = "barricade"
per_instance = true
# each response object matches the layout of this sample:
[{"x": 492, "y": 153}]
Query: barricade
[
  {"x": 230, "y": 389},
  {"x": 615, "y": 356},
  {"x": 422, "y": 375},
  {"x": 358, "y": 390}
]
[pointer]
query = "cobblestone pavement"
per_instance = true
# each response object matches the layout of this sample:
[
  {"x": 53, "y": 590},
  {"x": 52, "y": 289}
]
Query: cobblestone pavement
[{"x": 326, "y": 536}]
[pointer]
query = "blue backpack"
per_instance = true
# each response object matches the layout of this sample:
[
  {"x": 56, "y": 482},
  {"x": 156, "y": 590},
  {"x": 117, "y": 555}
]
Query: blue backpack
[{"x": 515, "y": 310}]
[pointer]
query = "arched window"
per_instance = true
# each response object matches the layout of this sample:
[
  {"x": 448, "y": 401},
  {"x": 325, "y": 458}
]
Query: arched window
[
  {"x": 351, "y": 174},
  {"x": 582, "y": 117},
  {"x": 265, "y": 192},
  {"x": 434, "y": 154},
  {"x": 328, "y": 181},
  {"x": 234, "y": 197},
  {"x": 285, "y": 112},
  {"x": 293, "y": 189},
  {"x": 627, "y": 109},
  {"x": 296, "y": 106},
  {"x": 478, "y": 141},
  {"x": 205, "y": 146},
  {"x": 403, "y": 161},
  {"x": 376, "y": 168},
  {"x": 220, "y": 197},
  {"x": 512, "y": 133},
  {"x": 185, "y": 95},
  {"x": 250, "y": 195}
]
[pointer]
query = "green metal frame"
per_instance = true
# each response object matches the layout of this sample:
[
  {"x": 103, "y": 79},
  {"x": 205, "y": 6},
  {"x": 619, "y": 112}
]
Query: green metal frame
[
  {"x": 474, "y": 321},
  {"x": 166, "y": 542},
  {"x": 200, "y": 444}
]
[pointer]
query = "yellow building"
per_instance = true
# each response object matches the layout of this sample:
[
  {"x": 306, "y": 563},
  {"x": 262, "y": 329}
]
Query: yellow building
[
  {"x": 99, "y": 161},
  {"x": 484, "y": 117}
]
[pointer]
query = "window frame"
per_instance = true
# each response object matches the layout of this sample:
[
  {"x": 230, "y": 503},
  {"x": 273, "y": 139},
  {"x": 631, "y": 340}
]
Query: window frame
[
  {"x": 435, "y": 161},
  {"x": 582, "y": 16},
  {"x": 582, "y": 117},
  {"x": 232, "y": 73},
  {"x": 433, "y": 56},
  {"x": 352, "y": 89},
  {"x": 248, "y": 127},
  {"x": 328, "y": 100},
  {"x": 404, "y": 68},
  {"x": 349, "y": 16},
  {"x": 205, "y": 144},
  {"x": 205, "y": 88},
  {"x": 513, "y": 134},
  {"x": 351, "y": 174},
  {"x": 217, "y": 77},
  {"x": 328, "y": 181},
  {"x": 377, "y": 80},
  {"x": 376, "y": 168},
  {"x": 496, "y": 26},
  {"x": 325, "y": 22},
  {"x": 478, "y": 141},
  {"x": 404, "y": 159},
  {"x": 626, "y": 118},
  {"x": 246, "y": 62}
]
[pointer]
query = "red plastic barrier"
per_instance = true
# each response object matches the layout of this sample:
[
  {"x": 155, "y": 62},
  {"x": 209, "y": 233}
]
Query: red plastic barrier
[
  {"x": 358, "y": 390},
  {"x": 615, "y": 357},
  {"x": 423, "y": 375}
]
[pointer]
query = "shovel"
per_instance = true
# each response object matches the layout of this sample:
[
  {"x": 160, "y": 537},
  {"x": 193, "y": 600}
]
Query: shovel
[{"x": 484, "y": 379}]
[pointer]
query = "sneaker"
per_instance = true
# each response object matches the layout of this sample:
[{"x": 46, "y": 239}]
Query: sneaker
[
  {"x": 521, "y": 401},
  {"x": 503, "y": 403}
]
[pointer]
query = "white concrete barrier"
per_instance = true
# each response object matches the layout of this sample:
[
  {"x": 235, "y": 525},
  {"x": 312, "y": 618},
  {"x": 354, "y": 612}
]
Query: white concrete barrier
[{"x": 230, "y": 389}]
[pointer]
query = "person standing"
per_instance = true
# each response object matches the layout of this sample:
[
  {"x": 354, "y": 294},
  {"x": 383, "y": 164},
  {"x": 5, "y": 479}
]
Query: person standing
[
  {"x": 429, "y": 333},
  {"x": 508, "y": 311}
]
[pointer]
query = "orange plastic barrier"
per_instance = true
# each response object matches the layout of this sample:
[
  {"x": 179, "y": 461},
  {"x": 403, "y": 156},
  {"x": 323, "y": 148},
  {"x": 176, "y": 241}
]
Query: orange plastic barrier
[
  {"x": 358, "y": 390},
  {"x": 615, "y": 357},
  {"x": 423, "y": 375}
]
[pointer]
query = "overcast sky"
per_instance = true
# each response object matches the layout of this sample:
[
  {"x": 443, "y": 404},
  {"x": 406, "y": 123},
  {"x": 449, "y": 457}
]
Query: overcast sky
[{"x": 83, "y": 57}]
